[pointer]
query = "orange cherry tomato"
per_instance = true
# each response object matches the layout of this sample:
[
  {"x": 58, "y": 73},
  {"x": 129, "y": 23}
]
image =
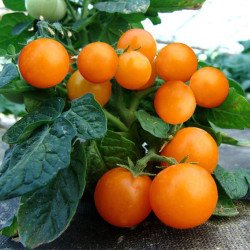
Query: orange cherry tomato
[
  {"x": 210, "y": 87},
  {"x": 195, "y": 143},
  {"x": 183, "y": 195},
  {"x": 152, "y": 77},
  {"x": 134, "y": 70},
  {"x": 77, "y": 86},
  {"x": 174, "y": 102},
  {"x": 139, "y": 40},
  {"x": 97, "y": 62},
  {"x": 122, "y": 199},
  {"x": 43, "y": 63},
  {"x": 176, "y": 61}
]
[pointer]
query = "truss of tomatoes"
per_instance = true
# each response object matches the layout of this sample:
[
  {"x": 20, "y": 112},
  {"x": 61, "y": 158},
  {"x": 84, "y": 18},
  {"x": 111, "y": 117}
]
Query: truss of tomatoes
[{"x": 158, "y": 99}]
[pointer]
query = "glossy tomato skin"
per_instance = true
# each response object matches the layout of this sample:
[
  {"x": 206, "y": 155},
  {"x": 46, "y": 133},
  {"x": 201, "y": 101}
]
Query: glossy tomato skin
[
  {"x": 152, "y": 78},
  {"x": 139, "y": 40},
  {"x": 195, "y": 143},
  {"x": 97, "y": 62},
  {"x": 122, "y": 199},
  {"x": 51, "y": 10},
  {"x": 174, "y": 102},
  {"x": 43, "y": 63},
  {"x": 210, "y": 87},
  {"x": 176, "y": 61},
  {"x": 77, "y": 86},
  {"x": 183, "y": 195},
  {"x": 134, "y": 70}
]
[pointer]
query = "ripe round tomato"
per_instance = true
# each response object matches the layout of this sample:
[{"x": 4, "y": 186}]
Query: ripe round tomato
[
  {"x": 197, "y": 144},
  {"x": 52, "y": 10},
  {"x": 77, "y": 86},
  {"x": 122, "y": 199},
  {"x": 176, "y": 61},
  {"x": 43, "y": 63},
  {"x": 139, "y": 40},
  {"x": 134, "y": 70},
  {"x": 152, "y": 78},
  {"x": 210, "y": 87},
  {"x": 183, "y": 195},
  {"x": 174, "y": 102},
  {"x": 97, "y": 62}
]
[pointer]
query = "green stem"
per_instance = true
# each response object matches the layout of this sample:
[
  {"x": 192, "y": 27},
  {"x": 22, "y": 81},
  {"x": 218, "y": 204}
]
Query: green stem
[
  {"x": 114, "y": 120},
  {"x": 61, "y": 90},
  {"x": 71, "y": 10},
  {"x": 139, "y": 96},
  {"x": 85, "y": 9},
  {"x": 151, "y": 156}
]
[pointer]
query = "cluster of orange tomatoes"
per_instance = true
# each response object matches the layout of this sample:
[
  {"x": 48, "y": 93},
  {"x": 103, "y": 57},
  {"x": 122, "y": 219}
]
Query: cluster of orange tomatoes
[{"x": 182, "y": 195}]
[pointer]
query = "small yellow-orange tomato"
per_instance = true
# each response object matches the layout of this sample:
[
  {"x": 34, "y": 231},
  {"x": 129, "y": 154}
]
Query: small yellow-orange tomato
[
  {"x": 43, "y": 63},
  {"x": 97, "y": 62},
  {"x": 77, "y": 86},
  {"x": 134, "y": 70},
  {"x": 139, "y": 40},
  {"x": 174, "y": 102},
  {"x": 176, "y": 61},
  {"x": 210, "y": 87}
]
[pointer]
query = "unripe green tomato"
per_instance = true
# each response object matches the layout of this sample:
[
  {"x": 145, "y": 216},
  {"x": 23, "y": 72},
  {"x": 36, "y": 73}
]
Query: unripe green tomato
[{"x": 51, "y": 10}]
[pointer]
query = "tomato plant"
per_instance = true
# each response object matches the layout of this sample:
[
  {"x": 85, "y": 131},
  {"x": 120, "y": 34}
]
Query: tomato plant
[
  {"x": 96, "y": 96},
  {"x": 122, "y": 199},
  {"x": 183, "y": 195},
  {"x": 53, "y": 10}
]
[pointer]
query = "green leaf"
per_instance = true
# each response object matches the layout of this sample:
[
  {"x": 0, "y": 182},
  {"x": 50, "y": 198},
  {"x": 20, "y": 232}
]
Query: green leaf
[
  {"x": 37, "y": 161},
  {"x": 3, "y": 52},
  {"x": 225, "y": 206},
  {"x": 113, "y": 149},
  {"x": 154, "y": 125},
  {"x": 96, "y": 165},
  {"x": 17, "y": 5},
  {"x": 34, "y": 99},
  {"x": 8, "y": 210},
  {"x": 233, "y": 113},
  {"x": 234, "y": 84},
  {"x": 7, "y": 107},
  {"x": 6, "y": 26},
  {"x": 21, "y": 27},
  {"x": 226, "y": 139},
  {"x": 110, "y": 27},
  {"x": 44, "y": 215},
  {"x": 122, "y": 6},
  {"x": 134, "y": 18},
  {"x": 11, "y": 228},
  {"x": 116, "y": 149},
  {"x": 173, "y": 5},
  {"x": 45, "y": 114},
  {"x": 233, "y": 182},
  {"x": 10, "y": 82},
  {"x": 8, "y": 74},
  {"x": 88, "y": 118}
]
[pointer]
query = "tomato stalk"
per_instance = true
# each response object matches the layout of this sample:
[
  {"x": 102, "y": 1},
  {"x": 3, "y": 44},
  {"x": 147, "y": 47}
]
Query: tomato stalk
[
  {"x": 139, "y": 96},
  {"x": 142, "y": 163},
  {"x": 115, "y": 121},
  {"x": 71, "y": 10},
  {"x": 85, "y": 10}
]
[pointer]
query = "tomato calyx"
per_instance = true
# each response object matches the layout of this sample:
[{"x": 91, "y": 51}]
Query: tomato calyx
[{"x": 138, "y": 168}]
